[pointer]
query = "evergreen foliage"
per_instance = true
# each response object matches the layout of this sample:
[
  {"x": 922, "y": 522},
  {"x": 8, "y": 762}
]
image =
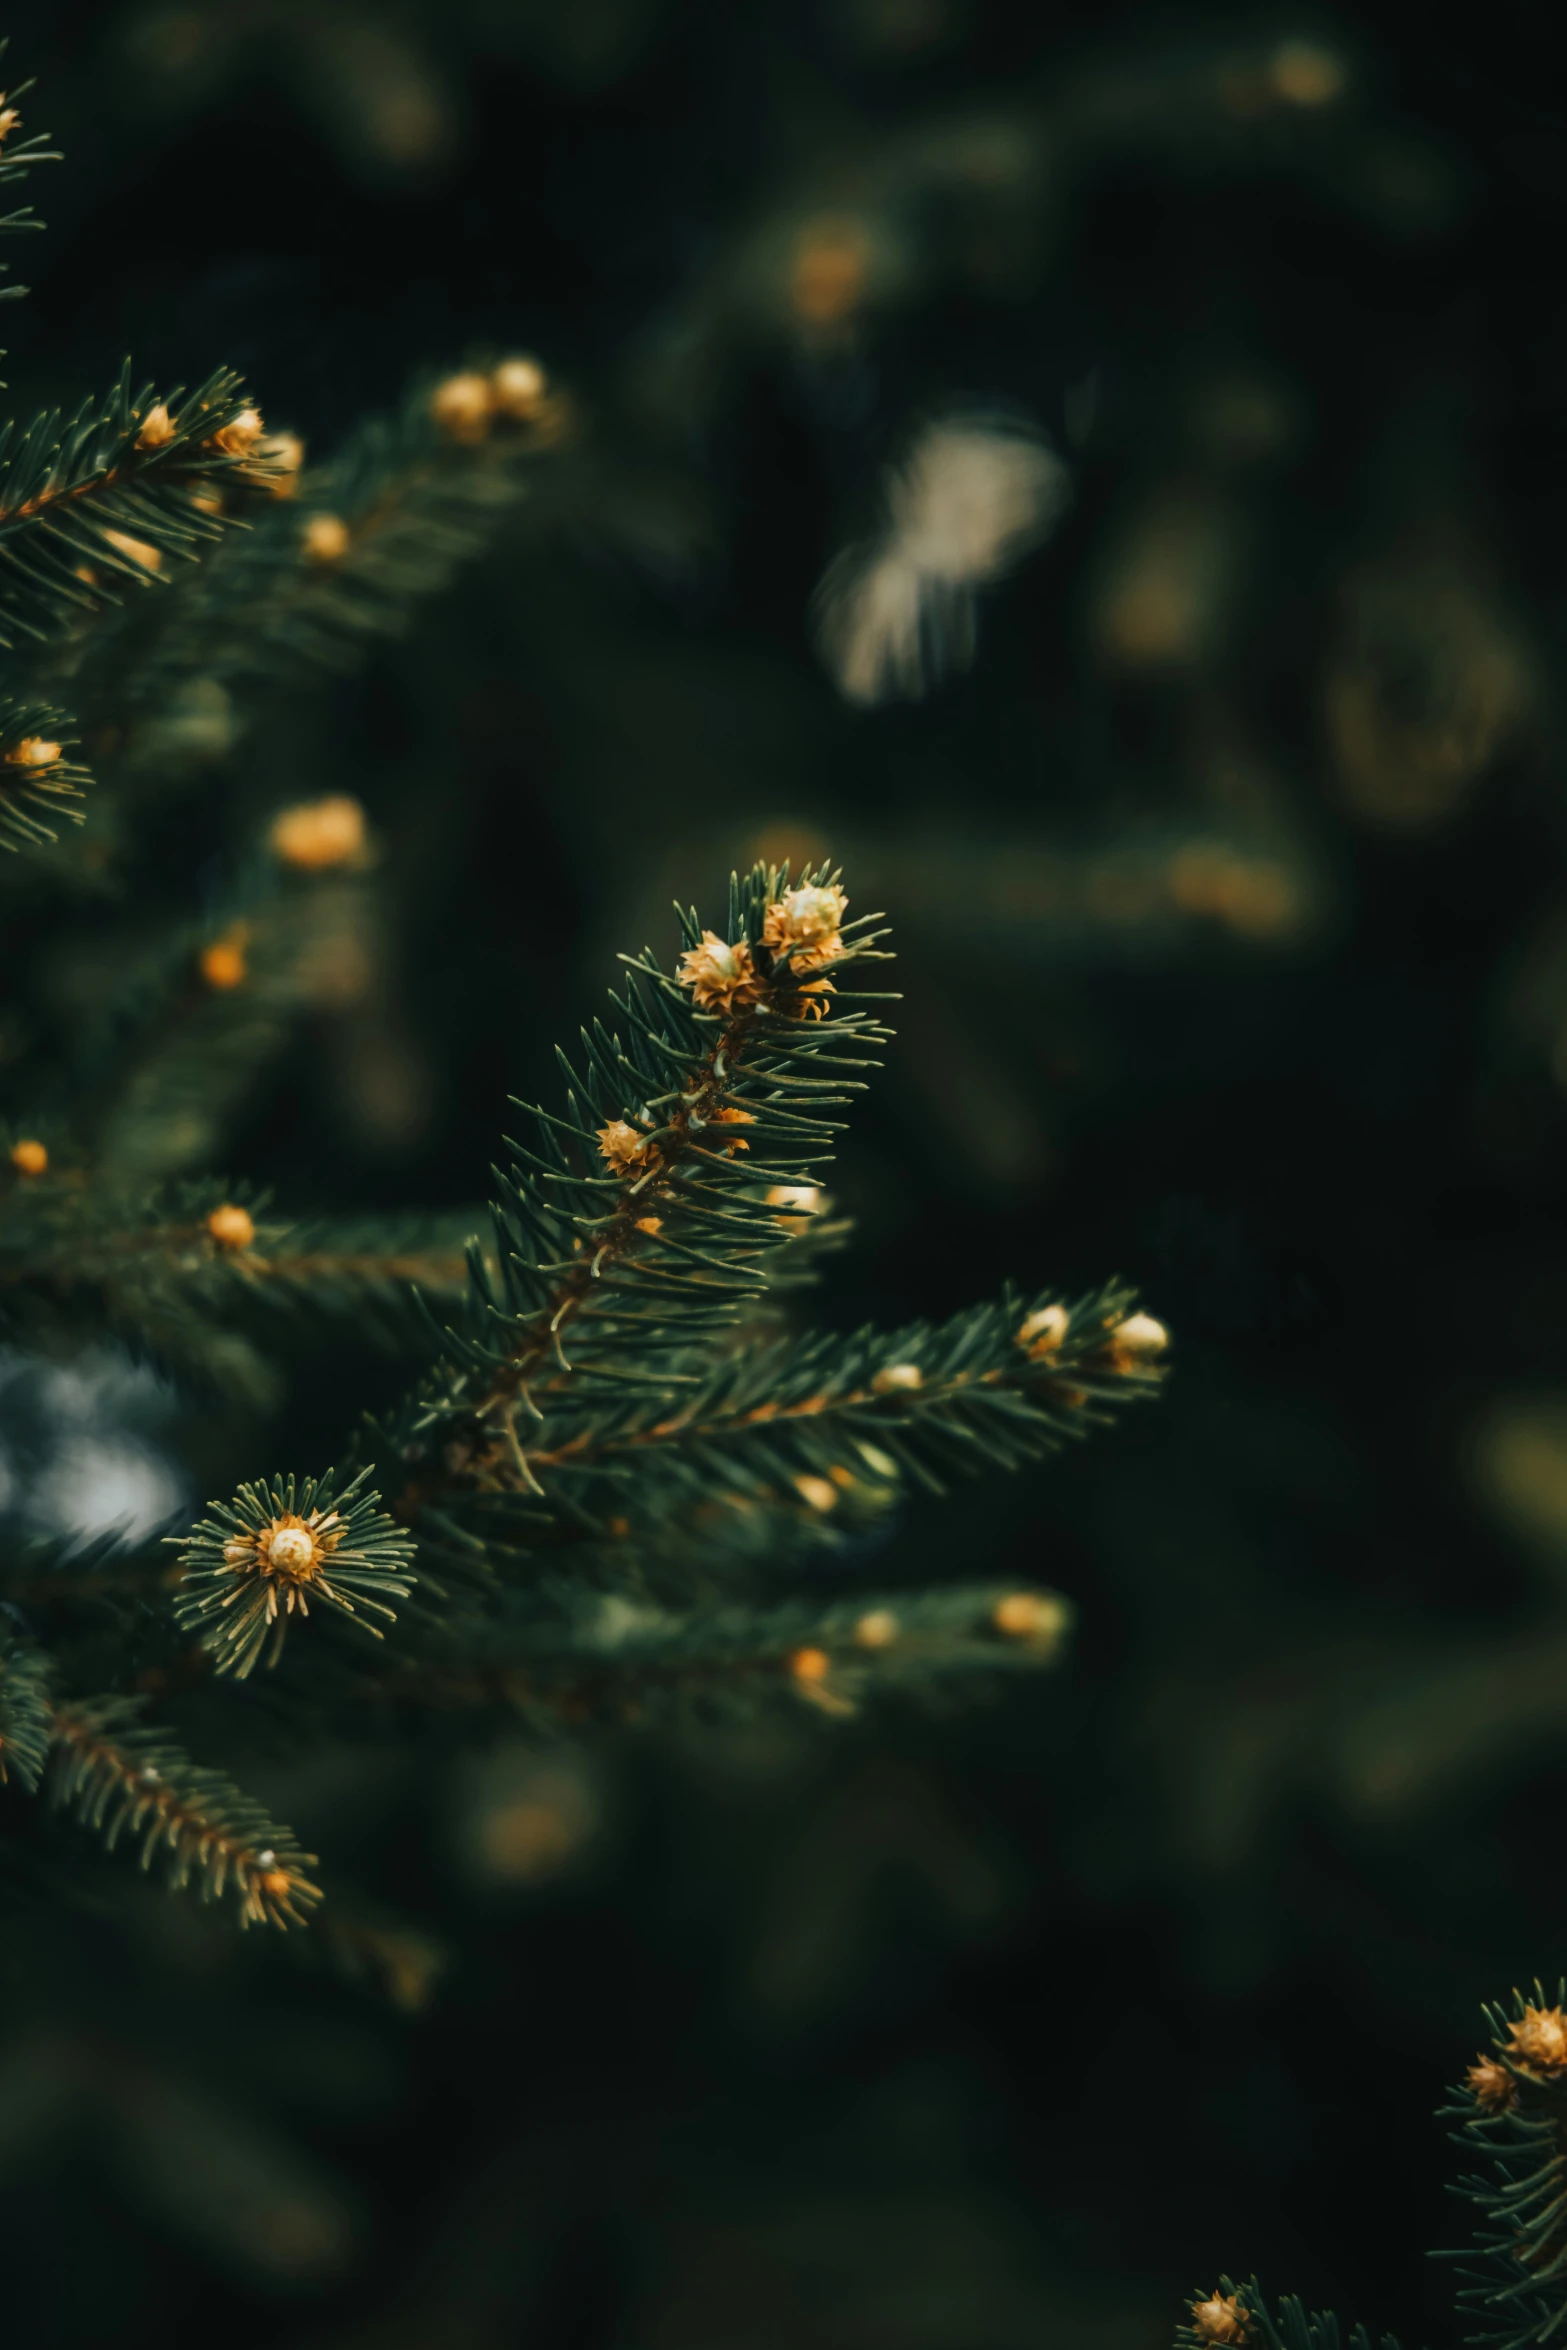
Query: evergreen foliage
[
  {"x": 1093, "y": 479},
  {"x": 1510, "y": 2111},
  {"x": 611, "y": 1478}
]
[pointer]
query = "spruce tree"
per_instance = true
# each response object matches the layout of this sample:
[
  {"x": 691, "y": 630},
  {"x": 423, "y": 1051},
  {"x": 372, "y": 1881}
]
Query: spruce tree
[{"x": 618, "y": 1466}]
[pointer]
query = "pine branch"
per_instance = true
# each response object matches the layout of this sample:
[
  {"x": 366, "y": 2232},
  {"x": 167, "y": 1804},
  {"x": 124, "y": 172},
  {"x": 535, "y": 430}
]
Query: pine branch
[
  {"x": 275, "y": 1549},
  {"x": 620, "y": 1662},
  {"x": 192, "y": 1023},
  {"x": 634, "y": 1228},
  {"x": 1512, "y": 2116},
  {"x": 17, "y": 158},
  {"x": 989, "y": 1390},
  {"x": 44, "y": 1575},
  {"x": 369, "y": 536},
  {"x": 94, "y": 503},
  {"x": 38, "y": 781},
  {"x": 119, "y": 1777},
  {"x": 180, "y": 1266},
  {"x": 24, "y": 1709},
  {"x": 1237, "y": 2315}
]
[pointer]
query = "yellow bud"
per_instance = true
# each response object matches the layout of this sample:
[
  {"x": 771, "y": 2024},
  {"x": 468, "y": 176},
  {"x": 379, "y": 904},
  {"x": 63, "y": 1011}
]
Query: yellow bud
[
  {"x": 520, "y": 387},
  {"x": 817, "y": 1492},
  {"x": 1035, "y": 1616},
  {"x": 325, "y": 539},
  {"x": 462, "y": 406},
  {"x": 319, "y": 834},
  {"x": 33, "y": 751},
  {"x": 231, "y": 1227},
  {"x": 223, "y": 965},
  {"x": 877, "y": 1629},
  {"x": 1138, "y": 1337}
]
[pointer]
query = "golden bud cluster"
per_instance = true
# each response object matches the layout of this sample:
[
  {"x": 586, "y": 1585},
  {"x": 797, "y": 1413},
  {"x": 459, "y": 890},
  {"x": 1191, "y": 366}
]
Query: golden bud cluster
[
  {"x": 239, "y": 436},
  {"x": 1042, "y": 1332},
  {"x": 1539, "y": 2039},
  {"x": 721, "y": 977},
  {"x": 1491, "y": 2084},
  {"x": 158, "y": 428},
  {"x": 464, "y": 406},
  {"x": 1220, "y": 2319},
  {"x": 802, "y": 930},
  {"x": 623, "y": 1147},
  {"x": 1134, "y": 1342},
  {"x": 33, "y": 751},
  {"x": 319, "y": 834},
  {"x": 805, "y": 924}
]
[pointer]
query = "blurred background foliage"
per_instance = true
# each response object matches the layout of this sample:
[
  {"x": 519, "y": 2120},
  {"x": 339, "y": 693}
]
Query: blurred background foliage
[{"x": 1231, "y": 889}]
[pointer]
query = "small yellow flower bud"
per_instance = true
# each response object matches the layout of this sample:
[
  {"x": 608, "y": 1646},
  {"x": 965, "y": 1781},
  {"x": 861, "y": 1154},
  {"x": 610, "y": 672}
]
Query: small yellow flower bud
[
  {"x": 1539, "y": 2038},
  {"x": 157, "y": 428},
  {"x": 721, "y": 977},
  {"x": 520, "y": 387},
  {"x": 231, "y": 1227},
  {"x": 1491, "y": 2084},
  {"x": 1036, "y": 1616},
  {"x": 810, "y": 1664},
  {"x": 1138, "y": 1337},
  {"x": 281, "y": 456},
  {"x": 1220, "y": 2319},
  {"x": 897, "y": 1379},
  {"x": 292, "y": 1550},
  {"x": 878, "y": 1628},
  {"x": 1043, "y": 1332},
  {"x": 319, "y": 834},
  {"x": 805, "y": 924},
  {"x": 223, "y": 966},
  {"x": 239, "y": 436},
  {"x": 325, "y": 539},
  {"x": 462, "y": 406},
  {"x": 32, "y": 751},
  {"x": 29, "y": 1157},
  {"x": 818, "y": 1492},
  {"x": 623, "y": 1147}
]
